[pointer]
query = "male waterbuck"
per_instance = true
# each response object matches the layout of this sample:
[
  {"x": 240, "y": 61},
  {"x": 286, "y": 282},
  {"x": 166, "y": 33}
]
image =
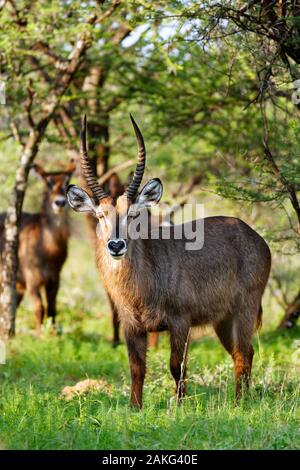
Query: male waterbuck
[
  {"x": 115, "y": 188},
  {"x": 43, "y": 244},
  {"x": 157, "y": 284}
]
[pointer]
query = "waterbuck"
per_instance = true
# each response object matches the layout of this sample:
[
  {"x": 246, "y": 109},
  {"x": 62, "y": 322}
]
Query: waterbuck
[
  {"x": 43, "y": 244},
  {"x": 115, "y": 188},
  {"x": 157, "y": 284}
]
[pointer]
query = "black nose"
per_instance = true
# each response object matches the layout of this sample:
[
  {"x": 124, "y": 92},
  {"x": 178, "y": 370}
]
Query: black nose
[
  {"x": 116, "y": 246},
  {"x": 60, "y": 202}
]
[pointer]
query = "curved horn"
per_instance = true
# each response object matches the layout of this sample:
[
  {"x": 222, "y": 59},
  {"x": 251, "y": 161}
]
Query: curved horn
[
  {"x": 87, "y": 170},
  {"x": 140, "y": 167}
]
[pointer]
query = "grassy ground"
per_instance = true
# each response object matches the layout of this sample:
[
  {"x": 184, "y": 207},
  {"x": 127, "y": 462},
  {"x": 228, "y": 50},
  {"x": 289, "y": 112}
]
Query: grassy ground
[{"x": 35, "y": 416}]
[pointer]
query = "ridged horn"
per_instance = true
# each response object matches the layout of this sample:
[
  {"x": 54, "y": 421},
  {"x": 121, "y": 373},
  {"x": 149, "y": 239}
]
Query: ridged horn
[
  {"x": 140, "y": 167},
  {"x": 86, "y": 167}
]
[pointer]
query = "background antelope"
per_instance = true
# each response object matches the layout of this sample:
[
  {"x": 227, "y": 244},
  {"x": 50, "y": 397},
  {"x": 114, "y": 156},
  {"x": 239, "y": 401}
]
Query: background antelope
[
  {"x": 156, "y": 284},
  {"x": 43, "y": 242}
]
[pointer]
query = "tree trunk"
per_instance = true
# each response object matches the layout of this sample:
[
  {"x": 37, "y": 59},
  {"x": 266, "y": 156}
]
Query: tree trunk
[
  {"x": 292, "y": 313},
  {"x": 98, "y": 127},
  {"x": 100, "y": 149},
  {"x": 29, "y": 151},
  {"x": 11, "y": 231}
]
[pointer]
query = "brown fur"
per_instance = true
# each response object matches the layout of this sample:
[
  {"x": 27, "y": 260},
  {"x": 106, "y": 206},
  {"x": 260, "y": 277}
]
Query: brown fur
[
  {"x": 42, "y": 247},
  {"x": 157, "y": 284},
  {"x": 161, "y": 286},
  {"x": 115, "y": 188}
]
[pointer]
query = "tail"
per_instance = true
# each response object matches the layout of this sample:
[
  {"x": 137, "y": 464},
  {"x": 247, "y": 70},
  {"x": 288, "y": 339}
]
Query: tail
[{"x": 259, "y": 318}]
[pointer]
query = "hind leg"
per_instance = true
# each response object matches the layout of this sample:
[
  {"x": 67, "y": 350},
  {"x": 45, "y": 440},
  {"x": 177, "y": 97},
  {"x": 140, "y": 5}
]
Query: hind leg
[
  {"x": 179, "y": 339},
  {"x": 19, "y": 298},
  {"x": 38, "y": 308},
  {"x": 236, "y": 338},
  {"x": 153, "y": 340},
  {"x": 20, "y": 293},
  {"x": 242, "y": 358}
]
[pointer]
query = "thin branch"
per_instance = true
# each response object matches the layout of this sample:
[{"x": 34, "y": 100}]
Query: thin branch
[
  {"x": 6, "y": 137},
  {"x": 16, "y": 134},
  {"x": 58, "y": 62},
  {"x": 118, "y": 139},
  {"x": 28, "y": 105},
  {"x": 37, "y": 67},
  {"x": 289, "y": 187},
  {"x": 122, "y": 166},
  {"x": 120, "y": 34},
  {"x": 22, "y": 22},
  {"x": 113, "y": 104},
  {"x": 284, "y": 300},
  {"x": 65, "y": 136},
  {"x": 68, "y": 122},
  {"x": 94, "y": 19}
]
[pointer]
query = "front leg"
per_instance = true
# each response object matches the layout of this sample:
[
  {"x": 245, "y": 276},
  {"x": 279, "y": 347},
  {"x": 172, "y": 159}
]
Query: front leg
[
  {"x": 179, "y": 340},
  {"x": 37, "y": 307},
  {"x": 115, "y": 321},
  {"x": 137, "y": 349},
  {"x": 52, "y": 287}
]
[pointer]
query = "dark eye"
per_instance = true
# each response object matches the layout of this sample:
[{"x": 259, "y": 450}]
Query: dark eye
[{"x": 50, "y": 183}]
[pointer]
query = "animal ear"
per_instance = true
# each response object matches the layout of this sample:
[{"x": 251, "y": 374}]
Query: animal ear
[
  {"x": 150, "y": 195},
  {"x": 79, "y": 200},
  {"x": 39, "y": 171}
]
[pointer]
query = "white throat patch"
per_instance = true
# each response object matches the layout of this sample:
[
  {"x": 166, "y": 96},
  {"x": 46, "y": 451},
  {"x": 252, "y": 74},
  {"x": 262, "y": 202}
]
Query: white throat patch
[{"x": 111, "y": 263}]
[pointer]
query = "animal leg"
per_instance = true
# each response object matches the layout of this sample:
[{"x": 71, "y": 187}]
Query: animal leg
[
  {"x": 179, "y": 341},
  {"x": 20, "y": 293},
  {"x": 236, "y": 339},
  {"x": 19, "y": 298},
  {"x": 242, "y": 358},
  {"x": 38, "y": 309},
  {"x": 116, "y": 322},
  {"x": 51, "y": 293},
  {"x": 153, "y": 340},
  {"x": 137, "y": 348}
]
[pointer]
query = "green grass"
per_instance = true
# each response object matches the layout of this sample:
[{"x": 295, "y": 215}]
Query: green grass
[{"x": 34, "y": 416}]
